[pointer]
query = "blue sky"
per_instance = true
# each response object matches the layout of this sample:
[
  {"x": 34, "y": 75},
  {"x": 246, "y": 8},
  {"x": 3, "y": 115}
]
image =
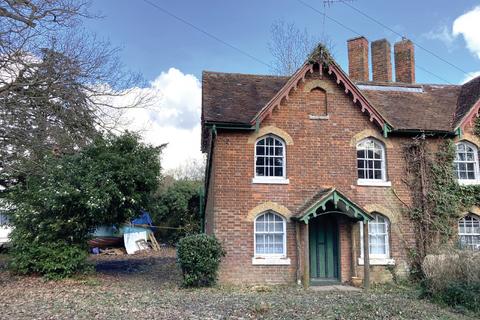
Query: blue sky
[
  {"x": 171, "y": 55},
  {"x": 153, "y": 41}
]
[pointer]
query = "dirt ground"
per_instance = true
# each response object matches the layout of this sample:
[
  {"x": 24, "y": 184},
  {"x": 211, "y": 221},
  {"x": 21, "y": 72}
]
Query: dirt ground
[{"x": 147, "y": 287}]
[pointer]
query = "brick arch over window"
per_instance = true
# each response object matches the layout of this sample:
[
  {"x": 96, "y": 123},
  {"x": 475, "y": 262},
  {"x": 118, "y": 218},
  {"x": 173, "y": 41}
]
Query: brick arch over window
[
  {"x": 390, "y": 214},
  {"x": 268, "y": 206},
  {"x": 369, "y": 133},
  {"x": 252, "y": 139},
  {"x": 468, "y": 137},
  {"x": 325, "y": 85}
]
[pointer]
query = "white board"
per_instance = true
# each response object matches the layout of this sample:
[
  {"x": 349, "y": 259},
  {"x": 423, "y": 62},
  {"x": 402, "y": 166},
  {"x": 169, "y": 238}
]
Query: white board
[{"x": 131, "y": 239}]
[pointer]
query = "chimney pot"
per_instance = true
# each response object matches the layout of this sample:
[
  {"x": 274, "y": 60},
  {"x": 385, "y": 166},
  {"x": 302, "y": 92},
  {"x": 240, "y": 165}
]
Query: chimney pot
[
  {"x": 358, "y": 59},
  {"x": 381, "y": 61},
  {"x": 404, "y": 53}
]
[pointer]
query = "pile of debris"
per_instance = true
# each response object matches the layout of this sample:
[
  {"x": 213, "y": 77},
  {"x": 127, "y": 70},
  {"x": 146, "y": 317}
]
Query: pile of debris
[{"x": 134, "y": 237}]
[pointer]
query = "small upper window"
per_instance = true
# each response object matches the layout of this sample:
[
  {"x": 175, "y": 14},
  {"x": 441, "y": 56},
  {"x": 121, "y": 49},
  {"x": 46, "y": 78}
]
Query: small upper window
[
  {"x": 469, "y": 232},
  {"x": 270, "y": 235},
  {"x": 466, "y": 162},
  {"x": 270, "y": 157},
  {"x": 371, "y": 160}
]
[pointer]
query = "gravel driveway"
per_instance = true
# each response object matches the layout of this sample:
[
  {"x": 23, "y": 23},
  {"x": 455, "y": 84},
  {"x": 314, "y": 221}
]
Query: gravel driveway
[{"x": 147, "y": 287}]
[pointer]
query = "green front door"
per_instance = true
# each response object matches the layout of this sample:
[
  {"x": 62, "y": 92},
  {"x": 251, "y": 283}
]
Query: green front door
[{"x": 324, "y": 252}]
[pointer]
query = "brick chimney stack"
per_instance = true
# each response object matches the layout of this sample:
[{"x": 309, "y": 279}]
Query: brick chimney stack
[
  {"x": 358, "y": 59},
  {"x": 404, "y": 61},
  {"x": 381, "y": 61}
]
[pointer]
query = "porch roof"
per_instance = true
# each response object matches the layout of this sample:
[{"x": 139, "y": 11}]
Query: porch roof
[{"x": 340, "y": 201}]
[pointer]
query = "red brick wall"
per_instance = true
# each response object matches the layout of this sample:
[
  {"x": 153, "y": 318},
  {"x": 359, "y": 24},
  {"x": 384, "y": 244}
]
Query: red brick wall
[{"x": 321, "y": 156}]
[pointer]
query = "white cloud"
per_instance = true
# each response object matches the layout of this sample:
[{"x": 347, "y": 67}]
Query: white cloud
[
  {"x": 470, "y": 76},
  {"x": 443, "y": 34},
  {"x": 173, "y": 116},
  {"x": 468, "y": 25}
]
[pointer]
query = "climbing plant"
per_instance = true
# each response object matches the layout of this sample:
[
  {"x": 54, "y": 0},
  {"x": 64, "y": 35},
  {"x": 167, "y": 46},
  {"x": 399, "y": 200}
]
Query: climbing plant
[{"x": 437, "y": 197}]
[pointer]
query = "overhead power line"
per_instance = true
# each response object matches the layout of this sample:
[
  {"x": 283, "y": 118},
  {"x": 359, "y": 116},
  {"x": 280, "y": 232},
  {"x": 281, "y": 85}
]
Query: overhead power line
[
  {"x": 305, "y": 4},
  {"x": 403, "y": 36},
  {"x": 208, "y": 34}
]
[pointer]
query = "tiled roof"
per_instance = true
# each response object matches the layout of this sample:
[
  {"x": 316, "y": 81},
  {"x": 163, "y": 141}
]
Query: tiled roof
[
  {"x": 469, "y": 95},
  {"x": 417, "y": 107},
  {"x": 237, "y": 98}
]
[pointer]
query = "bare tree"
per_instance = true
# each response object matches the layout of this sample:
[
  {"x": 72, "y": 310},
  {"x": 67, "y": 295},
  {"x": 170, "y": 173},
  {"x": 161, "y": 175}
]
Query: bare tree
[
  {"x": 290, "y": 46},
  {"x": 58, "y": 84},
  {"x": 190, "y": 169}
]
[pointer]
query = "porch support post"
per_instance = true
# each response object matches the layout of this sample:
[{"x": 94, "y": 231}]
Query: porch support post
[
  {"x": 366, "y": 257},
  {"x": 306, "y": 257},
  {"x": 298, "y": 240},
  {"x": 353, "y": 253}
]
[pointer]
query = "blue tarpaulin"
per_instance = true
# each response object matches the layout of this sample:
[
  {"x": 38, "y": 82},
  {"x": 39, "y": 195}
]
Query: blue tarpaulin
[{"x": 144, "y": 218}]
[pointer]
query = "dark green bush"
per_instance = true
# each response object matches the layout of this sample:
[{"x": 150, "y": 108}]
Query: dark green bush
[
  {"x": 60, "y": 204},
  {"x": 52, "y": 260},
  {"x": 461, "y": 295},
  {"x": 199, "y": 258},
  {"x": 177, "y": 207}
]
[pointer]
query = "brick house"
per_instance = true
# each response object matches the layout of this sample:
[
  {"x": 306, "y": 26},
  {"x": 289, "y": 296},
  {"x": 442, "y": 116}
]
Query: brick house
[{"x": 298, "y": 165}]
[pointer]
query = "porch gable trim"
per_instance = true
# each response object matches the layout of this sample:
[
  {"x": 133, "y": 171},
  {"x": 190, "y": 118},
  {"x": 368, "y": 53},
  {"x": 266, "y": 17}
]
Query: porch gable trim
[{"x": 335, "y": 196}]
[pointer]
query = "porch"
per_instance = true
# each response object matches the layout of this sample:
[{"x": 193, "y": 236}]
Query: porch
[{"x": 327, "y": 243}]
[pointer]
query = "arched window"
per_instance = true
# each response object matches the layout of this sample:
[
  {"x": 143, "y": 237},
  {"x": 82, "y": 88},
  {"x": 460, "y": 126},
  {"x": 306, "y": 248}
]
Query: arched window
[
  {"x": 270, "y": 158},
  {"x": 378, "y": 238},
  {"x": 371, "y": 160},
  {"x": 466, "y": 162},
  {"x": 270, "y": 235},
  {"x": 469, "y": 232}
]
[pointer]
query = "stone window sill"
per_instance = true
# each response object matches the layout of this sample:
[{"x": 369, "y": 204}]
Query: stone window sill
[
  {"x": 378, "y": 262},
  {"x": 263, "y": 180},
  {"x": 315, "y": 117},
  {"x": 270, "y": 261},
  {"x": 468, "y": 182},
  {"x": 373, "y": 183}
]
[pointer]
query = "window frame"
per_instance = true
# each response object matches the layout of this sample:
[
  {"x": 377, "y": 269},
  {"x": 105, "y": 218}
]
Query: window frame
[
  {"x": 377, "y": 259},
  {"x": 472, "y": 234},
  {"x": 284, "y": 241},
  {"x": 271, "y": 179},
  {"x": 383, "y": 169},
  {"x": 476, "y": 179}
]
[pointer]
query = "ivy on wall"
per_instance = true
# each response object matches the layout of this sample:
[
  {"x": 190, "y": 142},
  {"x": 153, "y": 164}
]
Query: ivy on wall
[{"x": 437, "y": 199}]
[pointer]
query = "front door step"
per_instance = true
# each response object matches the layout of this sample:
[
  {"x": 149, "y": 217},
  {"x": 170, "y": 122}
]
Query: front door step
[
  {"x": 324, "y": 282},
  {"x": 337, "y": 287}
]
